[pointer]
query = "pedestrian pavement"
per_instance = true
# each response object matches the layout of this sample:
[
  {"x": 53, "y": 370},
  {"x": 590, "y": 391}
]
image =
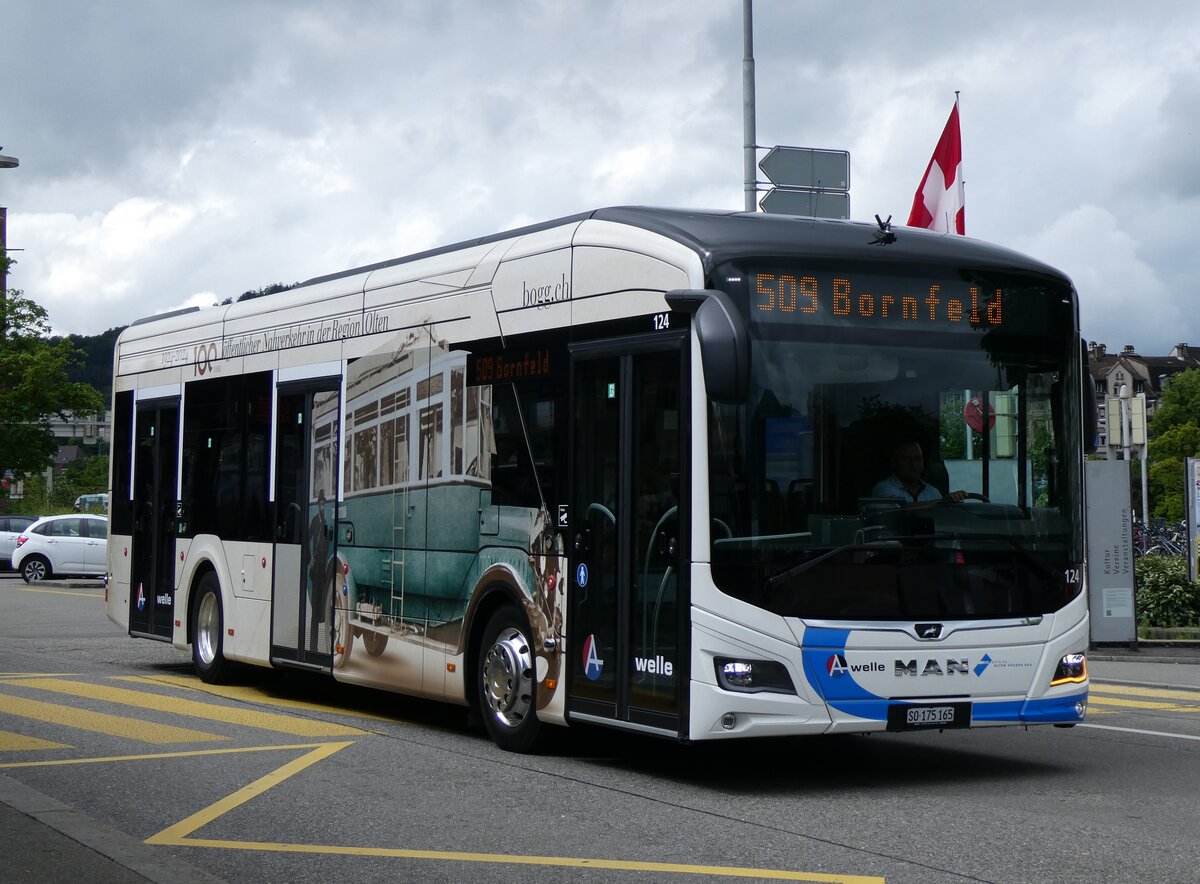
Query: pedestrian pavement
[
  {"x": 1148, "y": 664},
  {"x": 52, "y": 843}
]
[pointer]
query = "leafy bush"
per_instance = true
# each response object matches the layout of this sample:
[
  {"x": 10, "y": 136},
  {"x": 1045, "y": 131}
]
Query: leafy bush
[{"x": 1164, "y": 595}]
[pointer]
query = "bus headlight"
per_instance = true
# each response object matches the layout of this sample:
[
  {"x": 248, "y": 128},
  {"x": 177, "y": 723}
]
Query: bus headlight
[
  {"x": 1071, "y": 669},
  {"x": 753, "y": 676}
]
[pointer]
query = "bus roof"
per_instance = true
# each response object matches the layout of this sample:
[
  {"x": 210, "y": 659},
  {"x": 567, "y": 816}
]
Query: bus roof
[{"x": 719, "y": 236}]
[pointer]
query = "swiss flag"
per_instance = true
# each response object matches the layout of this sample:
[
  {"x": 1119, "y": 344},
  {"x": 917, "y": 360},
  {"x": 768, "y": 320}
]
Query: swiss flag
[{"x": 939, "y": 203}]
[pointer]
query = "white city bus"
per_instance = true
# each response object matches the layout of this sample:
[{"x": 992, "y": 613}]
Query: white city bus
[{"x": 621, "y": 468}]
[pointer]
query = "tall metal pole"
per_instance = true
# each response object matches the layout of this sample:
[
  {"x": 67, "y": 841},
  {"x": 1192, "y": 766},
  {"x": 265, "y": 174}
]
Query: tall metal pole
[
  {"x": 749, "y": 155},
  {"x": 1141, "y": 407},
  {"x": 5, "y": 163},
  {"x": 3, "y": 273}
]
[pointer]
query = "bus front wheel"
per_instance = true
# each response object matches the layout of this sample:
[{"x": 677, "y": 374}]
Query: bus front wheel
[
  {"x": 208, "y": 627},
  {"x": 506, "y": 683}
]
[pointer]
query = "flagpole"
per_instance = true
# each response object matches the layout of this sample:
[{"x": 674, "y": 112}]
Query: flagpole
[{"x": 961, "y": 174}]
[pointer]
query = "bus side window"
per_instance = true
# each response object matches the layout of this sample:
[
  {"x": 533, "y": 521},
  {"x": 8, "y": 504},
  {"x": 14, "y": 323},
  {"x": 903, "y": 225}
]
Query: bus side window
[{"x": 513, "y": 480}]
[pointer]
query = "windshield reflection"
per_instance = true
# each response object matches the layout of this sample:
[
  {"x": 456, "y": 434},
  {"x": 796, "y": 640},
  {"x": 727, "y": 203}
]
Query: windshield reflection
[{"x": 871, "y": 480}]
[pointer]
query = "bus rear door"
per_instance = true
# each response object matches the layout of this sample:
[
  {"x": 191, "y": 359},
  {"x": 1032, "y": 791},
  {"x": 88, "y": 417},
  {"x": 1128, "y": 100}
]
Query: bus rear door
[
  {"x": 628, "y": 581},
  {"x": 155, "y": 479},
  {"x": 306, "y": 491}
]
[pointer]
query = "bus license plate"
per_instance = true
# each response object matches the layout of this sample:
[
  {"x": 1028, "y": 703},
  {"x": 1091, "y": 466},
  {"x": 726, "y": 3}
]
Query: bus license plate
[{"x": 908, "y": 718}]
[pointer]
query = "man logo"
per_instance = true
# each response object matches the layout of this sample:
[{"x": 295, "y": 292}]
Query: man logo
[{"x": 928, "y": 631}]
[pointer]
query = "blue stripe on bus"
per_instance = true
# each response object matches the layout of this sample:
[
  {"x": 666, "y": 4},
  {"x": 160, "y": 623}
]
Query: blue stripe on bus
[{"x": 836, "y": 685}]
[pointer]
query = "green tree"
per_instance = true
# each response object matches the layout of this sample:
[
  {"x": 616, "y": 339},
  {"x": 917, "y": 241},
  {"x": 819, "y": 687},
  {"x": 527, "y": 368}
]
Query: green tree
[
  {"x": 97, "y": 367},
  {"x": 1180, "y": 402},
  {"x": 34, "y": 386},
  {"x": 1174, "y": 437},
  {"x": 87, "y": 476}
]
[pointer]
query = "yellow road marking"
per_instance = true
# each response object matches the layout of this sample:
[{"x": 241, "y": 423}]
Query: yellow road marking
[
  {"x": 567, "y": 862},
  {"x": 153, "y": 756},
  {"x": 86, "y": 595},
  {"x": 287, "y": 724},
  {"x": 4, "y": 676},
  {"x": 1139, "y": 704},
  {"x": 101, "y": 723},
  {"x": 174, "y": 834},
  {"x": 179, "y": 835},
  {"x": 1130, "y": 690},
  {"x": 10, "y": 742},
  {"x": 249, "y": 694}
]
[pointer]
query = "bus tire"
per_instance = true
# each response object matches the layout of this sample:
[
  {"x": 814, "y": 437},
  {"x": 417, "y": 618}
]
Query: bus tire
[
  {"x": 208, "y": 630},
  {"x": 506, "y": 683}
]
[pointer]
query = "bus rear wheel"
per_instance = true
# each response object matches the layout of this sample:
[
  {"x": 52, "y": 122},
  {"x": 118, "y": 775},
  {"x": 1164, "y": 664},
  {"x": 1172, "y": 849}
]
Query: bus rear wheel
[
  {"x": 208, "y": 627},
  {"x": 506, "y": 683}
]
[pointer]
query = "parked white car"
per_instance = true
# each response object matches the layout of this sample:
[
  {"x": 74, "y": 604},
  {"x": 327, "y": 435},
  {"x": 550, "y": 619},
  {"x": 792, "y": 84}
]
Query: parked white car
[
  {"x": 11, "y": 527},
  {"x": 63, "y": 546}
]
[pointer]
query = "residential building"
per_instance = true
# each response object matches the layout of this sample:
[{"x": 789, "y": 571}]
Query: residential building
[{"x": 1148, "y": 375}]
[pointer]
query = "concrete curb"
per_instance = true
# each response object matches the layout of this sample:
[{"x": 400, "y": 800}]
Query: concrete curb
[
  {"x": 1148, "y": 651},
  {"x": 88, "y": 837}
]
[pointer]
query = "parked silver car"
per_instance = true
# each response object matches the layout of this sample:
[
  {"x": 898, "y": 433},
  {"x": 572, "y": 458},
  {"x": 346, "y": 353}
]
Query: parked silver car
[
  {"x": 63, "y": 546},
  {"x": 11, "y": 527}
]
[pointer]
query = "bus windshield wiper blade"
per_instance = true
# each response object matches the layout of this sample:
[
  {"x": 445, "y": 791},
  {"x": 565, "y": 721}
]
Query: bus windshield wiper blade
[
  {"x": 796, "y": 570},
  {"x": 1030, "y": 558}
]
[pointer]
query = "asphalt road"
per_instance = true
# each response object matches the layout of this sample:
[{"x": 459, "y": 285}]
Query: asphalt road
[{"x": 117, "y": 765}]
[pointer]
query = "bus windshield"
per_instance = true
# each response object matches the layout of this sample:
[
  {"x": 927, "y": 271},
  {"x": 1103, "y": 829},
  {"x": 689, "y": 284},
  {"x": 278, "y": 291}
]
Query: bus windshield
[{"x": 906, "y": 450}]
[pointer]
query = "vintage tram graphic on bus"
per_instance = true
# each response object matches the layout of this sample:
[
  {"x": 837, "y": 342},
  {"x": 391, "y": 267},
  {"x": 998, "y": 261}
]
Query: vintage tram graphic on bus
[{"x": 420, "y": 525}]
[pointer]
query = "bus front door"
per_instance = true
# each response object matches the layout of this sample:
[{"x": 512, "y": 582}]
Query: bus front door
[
  {"x": 152, "y": 563},
  {"x": 628, "y": 591},
  {"x": 306, "y": 491}
]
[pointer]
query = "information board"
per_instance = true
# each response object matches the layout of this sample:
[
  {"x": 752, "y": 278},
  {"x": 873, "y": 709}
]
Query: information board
[{"x": 1110, "y": 551}]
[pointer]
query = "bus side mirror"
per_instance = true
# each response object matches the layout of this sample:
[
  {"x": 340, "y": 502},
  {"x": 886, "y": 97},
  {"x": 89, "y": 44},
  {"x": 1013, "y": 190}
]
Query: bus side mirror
[
  {"x": 724, "y": 341},
  {"x": 1091, "y": 422}
]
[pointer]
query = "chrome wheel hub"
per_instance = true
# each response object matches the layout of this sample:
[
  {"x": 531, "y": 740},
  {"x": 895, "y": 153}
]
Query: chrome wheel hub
[
  {"x": 208, "y": 625},
  {"x": 508, "y": 678}
]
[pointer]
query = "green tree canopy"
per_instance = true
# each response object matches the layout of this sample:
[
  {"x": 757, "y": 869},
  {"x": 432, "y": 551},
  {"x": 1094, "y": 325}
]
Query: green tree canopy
[
  {"x": 1179, "y": 404},
  {"x": 34, "y": 386},
  {"x": 1174, "y": 435},
  {"x": 1180, "y": 441}
]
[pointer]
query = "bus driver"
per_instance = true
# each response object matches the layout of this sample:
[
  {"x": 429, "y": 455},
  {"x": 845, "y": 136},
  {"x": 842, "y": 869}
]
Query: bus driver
[{"x": 905, "y": 482}]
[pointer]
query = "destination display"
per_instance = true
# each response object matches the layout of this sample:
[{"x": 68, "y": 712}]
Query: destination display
[
  {"x": 882, "y": 301},
  {"x": 506, "y": 366}
]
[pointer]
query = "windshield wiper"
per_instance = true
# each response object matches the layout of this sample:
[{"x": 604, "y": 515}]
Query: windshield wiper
[
  {"x": 1035, "y": 562},
  {"x": 859, "y": 544}
]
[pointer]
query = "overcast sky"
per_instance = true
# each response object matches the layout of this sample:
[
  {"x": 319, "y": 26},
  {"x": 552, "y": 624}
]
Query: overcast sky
[{"x": 180, "y": 153}]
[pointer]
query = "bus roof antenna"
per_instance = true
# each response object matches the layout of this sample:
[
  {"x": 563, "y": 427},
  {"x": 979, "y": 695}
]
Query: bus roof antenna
[{"x": 885, "y": 235}]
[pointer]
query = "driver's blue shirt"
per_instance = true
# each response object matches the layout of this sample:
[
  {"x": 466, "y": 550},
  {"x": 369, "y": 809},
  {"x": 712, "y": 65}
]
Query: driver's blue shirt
[{"x": 893, "y": 488}]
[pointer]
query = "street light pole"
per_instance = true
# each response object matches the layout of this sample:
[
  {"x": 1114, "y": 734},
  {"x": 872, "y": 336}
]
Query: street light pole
[
  {"x": 749, "y": 137},
  {"x": 5, "y": 163},
  {"x": 3, "y": 273}
]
